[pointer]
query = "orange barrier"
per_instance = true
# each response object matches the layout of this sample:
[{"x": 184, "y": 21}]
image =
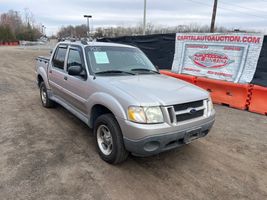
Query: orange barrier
[
  {"x": 236, "y": 95},
  {"x": 232, "y": 94},
  {"x": 258, "y": 100},
  {"x": 187, "y": 78}
]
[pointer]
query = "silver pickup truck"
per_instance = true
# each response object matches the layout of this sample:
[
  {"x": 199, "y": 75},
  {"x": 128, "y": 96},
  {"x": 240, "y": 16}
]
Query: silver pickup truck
[{"x": 118, "y": 92}]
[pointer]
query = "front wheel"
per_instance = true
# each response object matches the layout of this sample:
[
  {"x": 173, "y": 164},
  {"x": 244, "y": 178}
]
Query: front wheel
[
  {"x": 109, "y": 139},
  {"x": 46, "y": 102}
]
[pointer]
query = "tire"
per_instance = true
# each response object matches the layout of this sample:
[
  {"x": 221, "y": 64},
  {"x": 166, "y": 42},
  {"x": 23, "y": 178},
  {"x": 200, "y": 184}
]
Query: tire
[
  {"x": 46, "y": 102},
  {"x": 107, "y": 124}
]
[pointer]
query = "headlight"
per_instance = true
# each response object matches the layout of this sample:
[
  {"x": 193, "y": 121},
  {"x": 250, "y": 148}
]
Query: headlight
[
  {"x": 209, "y": 106},
  {"x": 136, "y": 114},
  {"x": 147, "y": 115},
  {"x": 153, "y": 114}
]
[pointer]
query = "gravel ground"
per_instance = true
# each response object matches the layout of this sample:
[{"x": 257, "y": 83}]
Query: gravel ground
[{"x": 50, "y": 154}]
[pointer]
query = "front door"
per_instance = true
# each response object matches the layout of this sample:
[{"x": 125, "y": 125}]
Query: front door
[{"x": 77, "y": 88}]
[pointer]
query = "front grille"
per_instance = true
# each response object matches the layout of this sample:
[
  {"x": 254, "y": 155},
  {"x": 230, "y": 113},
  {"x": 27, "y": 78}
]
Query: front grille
[
  {"x": 183, "y": 112},
  {"x": 184, "y": 106},
  {"x": 187, "y": 116}
]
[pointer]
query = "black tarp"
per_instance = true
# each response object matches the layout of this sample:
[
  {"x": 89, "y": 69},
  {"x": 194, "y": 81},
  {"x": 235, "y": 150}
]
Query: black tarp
[
  {"x": 260, "y": 76},
  {"x": 159, "y": 48}
]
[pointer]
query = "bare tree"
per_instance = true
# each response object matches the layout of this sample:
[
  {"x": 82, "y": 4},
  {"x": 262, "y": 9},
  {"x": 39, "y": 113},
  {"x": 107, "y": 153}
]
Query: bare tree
[
  {"x": 138, "y": 30},
  {"x": 72, "y": 31},
  {"x": 17, "y": 28}
]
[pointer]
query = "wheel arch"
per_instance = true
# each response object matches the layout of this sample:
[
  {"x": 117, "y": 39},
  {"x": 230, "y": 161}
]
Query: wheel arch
[
  {"x": 39, "y": 80},
  {"x": 42, "y": 76},
  {"x": 96, "y": 111},
  {"x": 102, "y": 103}
]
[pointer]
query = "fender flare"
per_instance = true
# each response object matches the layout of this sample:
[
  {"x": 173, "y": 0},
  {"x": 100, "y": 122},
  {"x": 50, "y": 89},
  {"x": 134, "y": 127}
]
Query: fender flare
[
  {"x": 41, "y": 72},
  {"x": 111, "y": 103}
]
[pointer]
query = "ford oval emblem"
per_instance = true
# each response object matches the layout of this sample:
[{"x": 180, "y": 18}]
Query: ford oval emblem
[{"x": 192, "y": 111}]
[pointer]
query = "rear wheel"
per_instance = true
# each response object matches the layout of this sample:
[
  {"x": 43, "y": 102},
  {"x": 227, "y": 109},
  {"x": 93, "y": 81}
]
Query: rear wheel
[
  {"x": 109, "y": 139},
  {"x": 46, "y": 102}
]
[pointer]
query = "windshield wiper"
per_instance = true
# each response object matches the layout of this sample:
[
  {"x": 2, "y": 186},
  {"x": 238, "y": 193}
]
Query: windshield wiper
[
  {"x": 114, "y": 72},
  {"x": 145, "y": 70}
]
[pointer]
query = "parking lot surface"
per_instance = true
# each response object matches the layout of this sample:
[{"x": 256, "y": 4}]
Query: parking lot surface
[{"x": 50, "y": 154}]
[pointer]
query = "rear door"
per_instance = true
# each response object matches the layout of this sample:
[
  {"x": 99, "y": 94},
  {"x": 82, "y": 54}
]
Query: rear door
[{"x": 56, "y": 72}]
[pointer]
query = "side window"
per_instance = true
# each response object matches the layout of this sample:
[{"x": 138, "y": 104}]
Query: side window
[
  {"x": 74, "y": 58},
  {"x": 59, "y": 57}
]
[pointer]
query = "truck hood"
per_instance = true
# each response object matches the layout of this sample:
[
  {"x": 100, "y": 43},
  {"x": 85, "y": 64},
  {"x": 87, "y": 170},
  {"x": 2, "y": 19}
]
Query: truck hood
[{"x": 151, "y": 90}]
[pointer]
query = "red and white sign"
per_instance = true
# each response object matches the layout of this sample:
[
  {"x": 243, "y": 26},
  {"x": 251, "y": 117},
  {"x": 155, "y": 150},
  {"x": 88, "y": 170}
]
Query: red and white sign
[
  {"x": 210, "y": 59},
  {"x": 230, "y": 57}
]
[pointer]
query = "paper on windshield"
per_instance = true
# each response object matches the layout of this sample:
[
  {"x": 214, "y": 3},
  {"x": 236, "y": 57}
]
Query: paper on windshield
[{"x": 101, "y": 57}]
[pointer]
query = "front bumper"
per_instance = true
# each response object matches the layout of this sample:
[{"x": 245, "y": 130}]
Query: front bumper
[{"x": 145, "y": 140}]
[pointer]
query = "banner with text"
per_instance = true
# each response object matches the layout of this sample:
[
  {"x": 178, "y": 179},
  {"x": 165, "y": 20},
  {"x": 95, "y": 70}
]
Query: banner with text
[{"x": 231, "y": 57}]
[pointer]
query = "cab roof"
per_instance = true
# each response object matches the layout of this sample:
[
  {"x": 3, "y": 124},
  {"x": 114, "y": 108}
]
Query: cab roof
[{"x": 85, "y": 44}]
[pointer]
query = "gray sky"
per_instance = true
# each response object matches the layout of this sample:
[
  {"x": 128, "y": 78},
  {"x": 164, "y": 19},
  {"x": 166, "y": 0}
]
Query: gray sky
[{"x": 242, "y": 14}]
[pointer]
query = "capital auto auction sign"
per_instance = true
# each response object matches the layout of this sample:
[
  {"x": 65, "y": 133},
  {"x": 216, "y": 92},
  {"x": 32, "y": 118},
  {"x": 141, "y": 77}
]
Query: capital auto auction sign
[{"x": 231, "y": 57}]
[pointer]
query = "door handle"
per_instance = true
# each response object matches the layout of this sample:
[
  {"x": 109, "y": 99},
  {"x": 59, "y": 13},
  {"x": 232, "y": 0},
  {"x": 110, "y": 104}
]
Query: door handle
[{"x": 65, "y": 78}]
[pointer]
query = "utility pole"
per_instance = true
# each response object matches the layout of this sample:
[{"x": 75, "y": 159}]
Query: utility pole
[
  {"x": 144, "y": 19},
  {"x": 43, "y": 29},
  {"x": 88, "y": 27},
  {"x": 212, "y": 26}
]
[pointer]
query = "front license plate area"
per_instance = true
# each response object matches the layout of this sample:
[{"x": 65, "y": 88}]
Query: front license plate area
[{"x": 192, "y": 135}]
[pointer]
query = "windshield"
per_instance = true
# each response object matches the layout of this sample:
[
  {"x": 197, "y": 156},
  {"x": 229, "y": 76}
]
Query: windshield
[{"x": 118, "y": 60}]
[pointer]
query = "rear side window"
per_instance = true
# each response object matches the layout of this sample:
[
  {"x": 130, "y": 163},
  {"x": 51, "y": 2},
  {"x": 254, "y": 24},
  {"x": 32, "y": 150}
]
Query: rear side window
[
  {"x": 74, "y": 58},
  {"x": 59, "y": 57}
]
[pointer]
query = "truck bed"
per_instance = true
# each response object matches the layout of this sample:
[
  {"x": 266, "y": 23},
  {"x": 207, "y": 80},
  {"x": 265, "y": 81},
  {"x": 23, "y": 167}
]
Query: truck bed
[{"x": 43, "y": 58}]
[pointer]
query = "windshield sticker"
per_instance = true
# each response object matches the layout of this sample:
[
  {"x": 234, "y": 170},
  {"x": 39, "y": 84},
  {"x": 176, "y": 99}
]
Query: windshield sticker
[{"x": 101, "y": 57}]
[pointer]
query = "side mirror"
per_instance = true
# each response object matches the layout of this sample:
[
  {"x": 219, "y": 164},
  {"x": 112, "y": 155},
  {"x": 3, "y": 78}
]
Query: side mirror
[{"x": 75, "y": 70}]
